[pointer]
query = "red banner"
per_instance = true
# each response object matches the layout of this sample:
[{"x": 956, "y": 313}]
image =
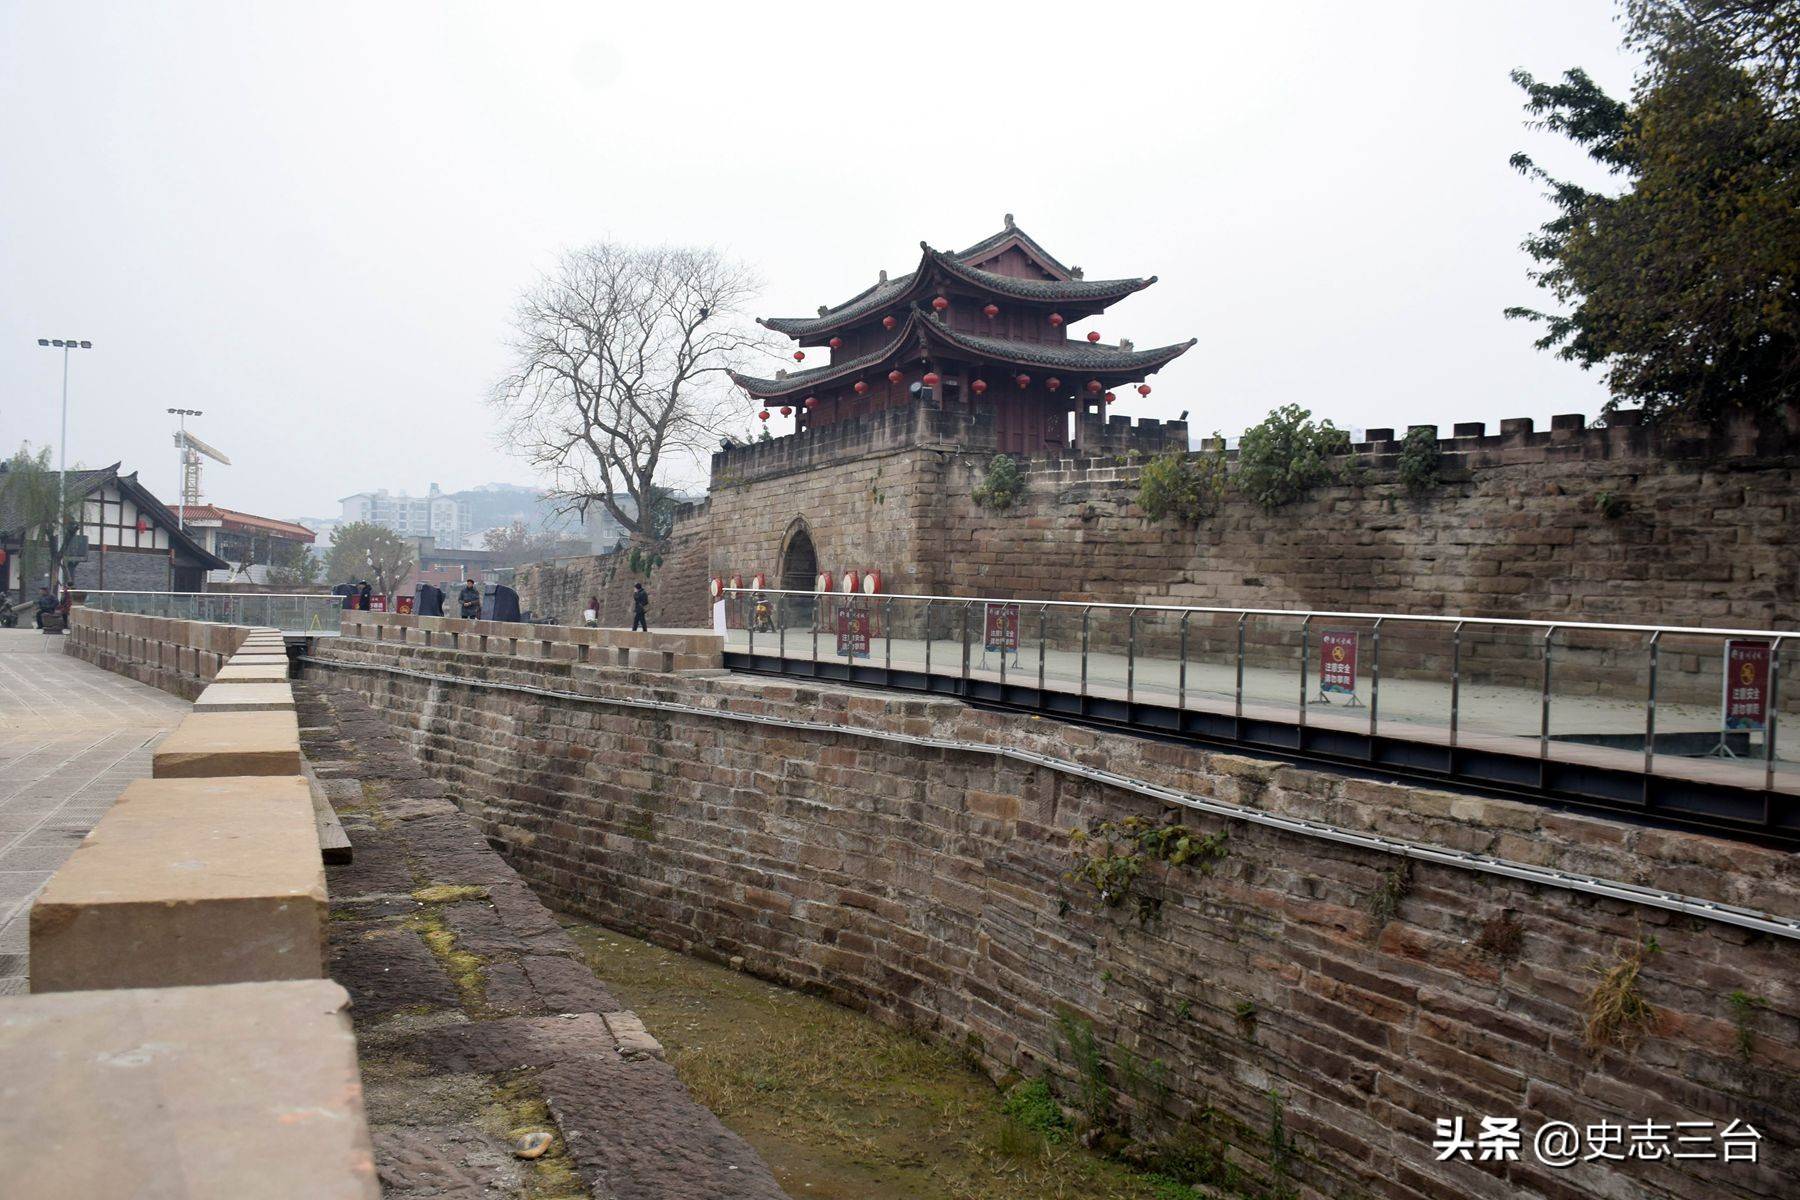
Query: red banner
[
  {"x": 404, "y": 604},
  {"x": 377, "y": 603},
  {"x": 1337, "y": 661},
  {"x": 853, "y": 630},
  {"x": 1000, "y": 627},
  {"x": 1747, "y": 685}
]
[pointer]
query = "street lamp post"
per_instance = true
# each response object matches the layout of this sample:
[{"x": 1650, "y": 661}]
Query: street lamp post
[
  {"x": 62, "y": 454},
  {"x": 181, "y": 450}
]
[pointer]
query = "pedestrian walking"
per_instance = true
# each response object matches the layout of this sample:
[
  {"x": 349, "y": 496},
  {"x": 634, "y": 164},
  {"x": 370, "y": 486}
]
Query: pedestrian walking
[{"x": 640, "y": 607}]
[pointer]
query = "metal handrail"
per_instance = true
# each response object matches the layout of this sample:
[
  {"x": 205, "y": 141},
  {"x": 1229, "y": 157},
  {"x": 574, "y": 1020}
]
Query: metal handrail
[{"x": 1422, "y": 618}]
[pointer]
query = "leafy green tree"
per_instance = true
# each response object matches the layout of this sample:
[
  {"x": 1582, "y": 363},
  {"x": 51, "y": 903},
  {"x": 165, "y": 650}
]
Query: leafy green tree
[
  {"x": 364, "y": 550},
  {"x": 28, "y": 504},
  {"x": 1684, "y": 286},
  {"x": 1003, "y": 486},
  {"x": 1285, "y": 457},
  {"x": 295, "y": 566}
]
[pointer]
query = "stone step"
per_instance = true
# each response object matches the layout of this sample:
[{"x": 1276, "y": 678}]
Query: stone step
[
  {"x": 250, "y": 1089},
  {"x": 187, "y": 881},
  {"x": 245, "y": 697},
  {"x": 230, "y": 743},
  {"x": 252, "y": 673}
]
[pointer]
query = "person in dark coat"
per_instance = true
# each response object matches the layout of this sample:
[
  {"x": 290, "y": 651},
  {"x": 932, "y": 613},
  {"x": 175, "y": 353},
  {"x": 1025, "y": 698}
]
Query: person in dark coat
[
  {"x": 363, "y": 592},
  {"x": 640, "y": 607},
  {"x": 469, "y": 601},
  {"x": 46, "y": 604}
]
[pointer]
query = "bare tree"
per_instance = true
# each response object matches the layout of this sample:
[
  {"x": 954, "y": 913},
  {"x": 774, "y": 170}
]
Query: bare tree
[{"x": 620, "y": 356}]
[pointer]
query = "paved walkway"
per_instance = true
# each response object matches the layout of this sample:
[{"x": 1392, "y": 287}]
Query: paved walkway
[{"x": 71, "y": 737}]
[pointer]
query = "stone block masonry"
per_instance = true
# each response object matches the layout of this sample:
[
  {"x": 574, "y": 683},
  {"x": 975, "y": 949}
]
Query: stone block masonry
[{"x": 1307, "y": 1010}]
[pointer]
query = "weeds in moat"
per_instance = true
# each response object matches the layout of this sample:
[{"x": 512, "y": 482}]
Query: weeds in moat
[
  {"x": 1743, "y": 1008},
  {"x": 1617, "y": 1013}
]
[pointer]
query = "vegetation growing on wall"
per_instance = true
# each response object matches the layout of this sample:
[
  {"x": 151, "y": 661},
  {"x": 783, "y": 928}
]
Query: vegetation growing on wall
[
  {"x": 1111, "y": 856},
  {"x": 1186, "y": 487},
  {"x": 1419, "y": 459},
  {"x": 1003, "y": 486},
  {"x": 1288, "y": 455},
  {"x": 1617, "y": 1013}
]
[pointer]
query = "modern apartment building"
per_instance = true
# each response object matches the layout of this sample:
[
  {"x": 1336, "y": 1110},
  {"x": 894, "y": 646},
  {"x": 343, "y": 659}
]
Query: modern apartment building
[{"x": 434, "y": 515}]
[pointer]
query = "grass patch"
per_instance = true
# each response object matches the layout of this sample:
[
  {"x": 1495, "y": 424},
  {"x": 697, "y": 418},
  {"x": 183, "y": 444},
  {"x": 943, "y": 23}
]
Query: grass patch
[
  {"x": 1617, "y": 1013},
  {"x": 518, "y": 1108},
  {"x": 1032, "y": 1105},
  {"x": 467, "y": 971},
  {"x": 449, "y": 893}
]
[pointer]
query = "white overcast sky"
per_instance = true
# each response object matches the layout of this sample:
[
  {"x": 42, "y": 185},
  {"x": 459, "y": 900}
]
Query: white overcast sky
[{"x": 311, "y": 221}]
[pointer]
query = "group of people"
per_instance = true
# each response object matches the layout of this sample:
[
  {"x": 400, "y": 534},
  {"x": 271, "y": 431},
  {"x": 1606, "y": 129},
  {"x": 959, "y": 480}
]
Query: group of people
[
  {"x": 49, "y": 602},
  {"x": 640, "y": 609}
]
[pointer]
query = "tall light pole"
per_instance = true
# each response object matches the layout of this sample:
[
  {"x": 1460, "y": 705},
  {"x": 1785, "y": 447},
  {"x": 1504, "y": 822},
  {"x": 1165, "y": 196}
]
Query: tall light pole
[
  {"x": 62, "y": 462},
  {"x": 182, "y": 452}
]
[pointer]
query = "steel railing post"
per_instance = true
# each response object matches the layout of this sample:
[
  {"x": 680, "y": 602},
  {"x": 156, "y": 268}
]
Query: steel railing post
[
  {"x": 1181, "y": 673},
  {"x": 1544, "y": 699},
  {"x": 1374, "y": 677},
  {"x": 819, "y": 613},
  {"x": 927, "y": 631},
  {"x": 1002, "y": 651},
  {"x": 887, "y": 636},
  {"x": 1242, "y": 617},
  {"x": 751, "y": 623},
  {"x": 965, "y": 645},
  {"x": 1650, "y": 711},
  {"x": 1084, "y": 653},
  {"x": 1455, "y": 685},
  {"x": 1305, "y": 653},
  {"x": 781, "y": 616},
  {"x": 1130, "y": 661},
  {"x": 1043, "y": 615},
  {"x": 1769, "y": 722}
]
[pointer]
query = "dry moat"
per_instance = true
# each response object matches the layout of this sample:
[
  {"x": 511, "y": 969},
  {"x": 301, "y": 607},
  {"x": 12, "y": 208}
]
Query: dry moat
[{"x": 841, "y": 1106}]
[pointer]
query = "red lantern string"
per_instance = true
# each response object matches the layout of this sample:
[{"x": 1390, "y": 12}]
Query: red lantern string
[
  {"x": 763, "y": 415},
  {"x": 837, "y": 343},
  {"x": 1024, "y": 381},
  {"x": 978, "y": 387},
  {"x": 1110, "y": 397},
  {"x": 1056, "y": 318},
  {"x": 1094, "y": 387},
  {"x": 1143, "y": 389},
  {"x": 931, "y": 378},
  {"x": 1093, "y": 335},
  {"x": 894, "y": 376},
  {"x": 888, "y": 322},
  {"x": 812, "y": 401},
  {"x": 992, "y": 311},
  {"x": 1053, "y": 383},
  {"x": 861, "y": 387},
  {"x": 799, "y": 356},
  {"x": 940, "y": 303},
  {"x": 786, "y": 411}
]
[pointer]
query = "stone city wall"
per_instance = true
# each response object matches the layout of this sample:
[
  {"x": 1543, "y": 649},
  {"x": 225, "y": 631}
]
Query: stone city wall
[
  {"x": 1304, "y": 1011},
  {"x": 177, "y": 656}
]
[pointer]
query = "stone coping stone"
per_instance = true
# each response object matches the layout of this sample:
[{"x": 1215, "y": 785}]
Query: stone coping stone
[
  {"x": 187, "y": 881},
  {"x": 246, "y": 697},
  {"x": 184, "y": 1093},
  {"x": 258, "y": 673},
  {"x": 230, "y": 743},
  {"x": 245, "y": 658}
]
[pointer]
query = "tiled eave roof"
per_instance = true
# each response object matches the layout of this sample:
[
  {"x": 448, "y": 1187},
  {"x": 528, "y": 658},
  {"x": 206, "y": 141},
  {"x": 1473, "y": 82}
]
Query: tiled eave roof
[
  {"x": 922, "y": 330},
  {"x": 230, "y": 516},
  {"x": 936, "y": 265},
  {"x": 1091, "y": 358}
]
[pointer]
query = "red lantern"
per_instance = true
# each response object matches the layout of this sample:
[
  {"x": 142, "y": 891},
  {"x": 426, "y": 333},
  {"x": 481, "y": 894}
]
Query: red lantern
[
  {"x": 1093, "y": 335},
  {"x": 894, "y": 376},
  {"x": 1053, "y": 383},
  {"x": 763, "y": 415},
  {"x": 931, "y": 378},
  {"x": 1094, "y": 387},
  {"x": 992, "y": 311},
  {"x": 786, "y": 411},
  {"x": 1056, "y": 319},
  {"x": 837, "y": 343},
  {"x": 812, "y": 401},
  {"x": 143, "y": 526},
  {"x": 1110, "y": 397},
  {"x": 1023, "y": 381},
  {"x": 799, "y": 356},
  {"x": 888, "y": 322},
  {"x": 1143, "y": 389},
  {"x": 940, "y": 303},
  {"x": 861, "y": 387},
  {"x": 978, "y": 387},
  {"x": 871, "y": 582}
]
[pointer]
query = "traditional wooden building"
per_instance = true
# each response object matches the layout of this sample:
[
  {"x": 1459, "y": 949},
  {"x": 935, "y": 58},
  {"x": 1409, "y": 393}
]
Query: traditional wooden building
[{"x": 984, "y": 327}]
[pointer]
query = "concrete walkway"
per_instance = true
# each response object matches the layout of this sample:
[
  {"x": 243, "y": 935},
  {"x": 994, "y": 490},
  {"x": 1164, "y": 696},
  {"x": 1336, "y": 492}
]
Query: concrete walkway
[{"x": 71, "y": 737}]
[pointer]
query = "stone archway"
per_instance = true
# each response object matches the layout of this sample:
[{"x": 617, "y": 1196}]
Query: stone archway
[{"x": 799, "y": 561}]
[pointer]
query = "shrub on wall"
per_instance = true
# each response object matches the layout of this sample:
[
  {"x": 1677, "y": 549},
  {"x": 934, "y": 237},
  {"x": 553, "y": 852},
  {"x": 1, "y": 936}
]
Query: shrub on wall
[
  {"x": 1419, "y": 459},
  {"x": 1003, "y": 485},
  {"x": 1186, "y": 487},
  {"x": 1287, "y": 456}
]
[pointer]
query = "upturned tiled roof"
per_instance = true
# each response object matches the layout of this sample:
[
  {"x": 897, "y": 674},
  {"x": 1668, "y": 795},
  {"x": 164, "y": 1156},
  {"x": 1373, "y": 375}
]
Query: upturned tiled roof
[
  {"x": 1073, "y": 355},
  {"x": 798, "y": 382}
]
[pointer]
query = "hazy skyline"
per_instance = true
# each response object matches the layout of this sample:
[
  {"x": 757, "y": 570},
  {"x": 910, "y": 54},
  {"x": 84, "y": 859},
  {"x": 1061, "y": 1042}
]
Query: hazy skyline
[{"x": 312, "y": 224}]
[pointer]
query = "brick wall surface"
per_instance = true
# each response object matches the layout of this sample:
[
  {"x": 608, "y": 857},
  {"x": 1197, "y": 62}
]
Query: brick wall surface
[
  {"x": 177, "y": 656},
  {"x": 930, "y": 887}
]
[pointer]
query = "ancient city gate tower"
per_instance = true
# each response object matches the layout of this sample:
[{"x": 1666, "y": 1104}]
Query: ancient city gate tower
[{"x": 982, "y": 328}]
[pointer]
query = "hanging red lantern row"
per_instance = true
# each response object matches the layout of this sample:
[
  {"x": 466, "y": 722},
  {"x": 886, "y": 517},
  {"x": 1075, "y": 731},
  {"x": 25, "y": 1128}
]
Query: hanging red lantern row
[
  {"x": 1093, "y": 386},
  {"x": 894, "y": 376},
  {"x": 1093, "y": 335},
  {"x": 931, "y": 379},
  {"x": 786, "y": 411},
  {"x": 1053, "y": 383},
  {"x": 978, "y": 387},
  {"x": 888, "y": 322},
  {"x": 992, "y": 311},
  {"x": 1023, "y": 381},
  {"x": 837, "y": 343},
  {"x": 763, "y": 415},
  {"x": 1143, "y": 389},
  {"x": 799, "y": 356},
  {"x": 1056, "y": 319},
  {"x": 862, "y": 386},
  {"x": 940, "y": 303}
]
